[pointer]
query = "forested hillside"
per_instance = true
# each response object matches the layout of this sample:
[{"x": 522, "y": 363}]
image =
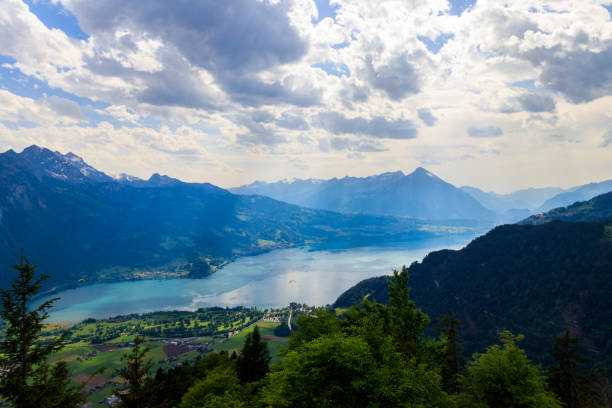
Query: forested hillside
[
  {"x": 527, "y": 279},
  {"x": 597, "y": 208}
]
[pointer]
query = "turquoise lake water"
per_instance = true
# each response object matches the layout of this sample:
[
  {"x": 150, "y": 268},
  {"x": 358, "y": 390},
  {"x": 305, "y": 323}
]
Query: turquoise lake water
[{"x": 273, "y": 279}]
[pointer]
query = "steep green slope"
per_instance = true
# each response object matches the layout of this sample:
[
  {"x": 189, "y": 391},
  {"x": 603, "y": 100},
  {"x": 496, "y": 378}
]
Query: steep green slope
[
  {"x": 528, "y": 279},
  {"x": 597, "y": 208}
]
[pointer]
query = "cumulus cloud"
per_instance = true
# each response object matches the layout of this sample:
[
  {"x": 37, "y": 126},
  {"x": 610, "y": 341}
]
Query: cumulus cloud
[
  {"x": 292, "y": 121},
  {"x": 260, "y": 131},
  {"x": 344, "y": 143},
  {"x": 47, "y": 110},
  {"x": 245, "y": 72},
  {"x": 427, "y": 117},
  {"x": 607, "y": 139},
  {"x": 398, "y": 78},
  {"x": 120, "y": 113},
  {"x": 535, "y": 102},
  {"x": 377, "y": 127},
  {"x": 232, "y": 41},
  {"x": 64, "y": 107},
  {"x": 581, "y": 76},
  {"x": 485, "y": 131}
]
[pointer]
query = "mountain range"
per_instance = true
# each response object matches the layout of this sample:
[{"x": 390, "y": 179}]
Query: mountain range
[
  {"x": 420, "y": 194},
  {"x": 526, "y": 200},
  {"x": 534, "y": 278},
  {"x": 576, "y": 194},
  {"x": 84, "y": 226}
]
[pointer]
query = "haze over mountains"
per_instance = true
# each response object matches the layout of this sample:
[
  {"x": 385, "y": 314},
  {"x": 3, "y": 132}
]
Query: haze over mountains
[
  {"x": 88, "y": 226},
  {"x": 85, "y": 226},
  {"x": 420, "y": 194}
]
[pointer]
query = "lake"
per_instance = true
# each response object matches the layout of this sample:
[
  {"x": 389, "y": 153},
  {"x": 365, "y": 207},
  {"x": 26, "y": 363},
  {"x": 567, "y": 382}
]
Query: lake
[{"x": 273, "y": 279}]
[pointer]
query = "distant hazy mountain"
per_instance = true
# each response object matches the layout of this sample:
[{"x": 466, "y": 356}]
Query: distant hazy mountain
[
  {"x": 528, "y": 199},
  {"x": 597, "y": 208},
  {"x": 83, "y": 226},
  {"x": 582, "y": 193},
  {"x": 419, "y": 194},
  {"x": 528, "y": 279}
]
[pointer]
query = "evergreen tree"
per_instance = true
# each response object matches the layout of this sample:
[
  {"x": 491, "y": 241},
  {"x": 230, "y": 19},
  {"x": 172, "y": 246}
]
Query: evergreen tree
[
  {"x": 503, "y": 377},
  {"x": 575, "y": 387},
  {"x": 28, "y": 380},
  {"x": 408, "y": 322},
  {"x": 452, "y": 360},
  {"x": 253, "y": 362},
  {"x": 135, "y": 374}
]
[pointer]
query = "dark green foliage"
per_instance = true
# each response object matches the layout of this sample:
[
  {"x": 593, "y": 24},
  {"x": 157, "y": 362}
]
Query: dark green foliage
[
  {"x": 503, "y": 377},
  {"x": 372, "y": 289},
  {"x": 452, "y": 361},
  {"x": 56, "y": 390},
  {"x": 219, "y": 382},
  {"x": 532, "y": 279},
  {"x": 28, "y": 380},
  {"x": 322, "y": 322},
  {"x": 282, "y": 330},
  {"x": 253, "y": 362},
  {"x": 167, "y": 388},
  {"x": 408, "y": 322},
  {"x": 135, "y": 375},
  {"x": 369, "y": 357},
  {"x": 576, "y": 386}
]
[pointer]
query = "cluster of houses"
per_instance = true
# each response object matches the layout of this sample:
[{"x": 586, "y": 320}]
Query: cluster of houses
[{"x": 88, "y": 355}]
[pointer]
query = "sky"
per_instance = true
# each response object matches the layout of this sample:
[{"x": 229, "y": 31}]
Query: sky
[{"x": 497, "y": 95}]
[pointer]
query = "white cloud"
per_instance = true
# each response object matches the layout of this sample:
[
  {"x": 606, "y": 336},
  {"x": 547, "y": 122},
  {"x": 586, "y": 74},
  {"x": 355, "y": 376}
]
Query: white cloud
[
  {"x": 48, "y": 110},
  {"x": 192, "y": 70}
]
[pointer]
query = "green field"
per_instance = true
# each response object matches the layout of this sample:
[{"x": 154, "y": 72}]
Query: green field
[{"x": 96, "y": 348}]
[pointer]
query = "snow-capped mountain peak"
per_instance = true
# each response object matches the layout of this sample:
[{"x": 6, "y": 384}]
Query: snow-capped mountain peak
[{"x": 69, "y": 167}]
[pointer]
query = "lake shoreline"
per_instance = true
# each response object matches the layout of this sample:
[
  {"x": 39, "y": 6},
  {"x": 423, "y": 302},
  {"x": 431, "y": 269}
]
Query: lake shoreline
[
  {"x": 304, "y": 275},
  {"x": 308, "y": 247}
]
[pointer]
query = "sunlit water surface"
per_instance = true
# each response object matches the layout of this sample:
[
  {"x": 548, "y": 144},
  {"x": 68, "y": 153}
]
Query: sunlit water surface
[{"x": 273, "y": 279}]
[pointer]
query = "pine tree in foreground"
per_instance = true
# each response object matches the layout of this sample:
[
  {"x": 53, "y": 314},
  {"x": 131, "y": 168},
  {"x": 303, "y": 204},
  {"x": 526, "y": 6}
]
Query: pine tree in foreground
[
  {"x": 575, "y": 386},
  {"x": 135, "y": 375},
  {"x": 27, "y": 379},
  {"x": 254, "y": 360},
  {"x": 452, "y": 360}
]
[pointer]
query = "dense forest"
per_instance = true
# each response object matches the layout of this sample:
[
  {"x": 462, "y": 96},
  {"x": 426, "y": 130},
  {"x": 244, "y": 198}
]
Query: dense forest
[{"x": 535, "y": 280}]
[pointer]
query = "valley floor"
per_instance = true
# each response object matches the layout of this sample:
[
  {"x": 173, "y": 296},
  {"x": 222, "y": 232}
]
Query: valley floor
[{"x": 101, "y": 344}]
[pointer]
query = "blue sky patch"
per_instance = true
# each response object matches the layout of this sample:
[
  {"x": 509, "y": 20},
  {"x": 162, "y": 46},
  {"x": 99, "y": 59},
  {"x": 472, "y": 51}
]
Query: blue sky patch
[
  {"x": 340, "y": 45},
  {"x": 609, "y": 8},
  {"x": 333, "y": 69},
  {"x": 437, "y": 44},
  {"x": 459, "y": 6},
  {"x": 325, "y": 10},
  {"x": 528, "y": 84},
  {"x": 56, "y": 16}
]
